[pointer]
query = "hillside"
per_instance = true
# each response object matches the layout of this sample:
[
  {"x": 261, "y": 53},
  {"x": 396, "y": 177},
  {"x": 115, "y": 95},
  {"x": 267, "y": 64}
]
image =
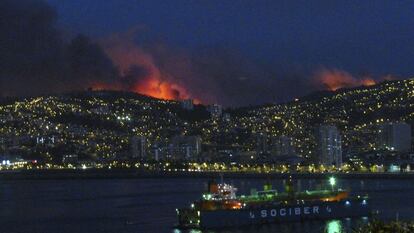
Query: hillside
[{"x": 100, "y": 124}]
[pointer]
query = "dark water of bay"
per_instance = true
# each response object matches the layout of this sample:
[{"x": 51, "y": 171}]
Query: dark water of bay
[{"x": 148, "y": 205}]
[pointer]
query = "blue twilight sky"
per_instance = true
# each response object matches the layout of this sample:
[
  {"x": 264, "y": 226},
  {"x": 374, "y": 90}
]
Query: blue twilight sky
[{"x": 375, "y": 37}]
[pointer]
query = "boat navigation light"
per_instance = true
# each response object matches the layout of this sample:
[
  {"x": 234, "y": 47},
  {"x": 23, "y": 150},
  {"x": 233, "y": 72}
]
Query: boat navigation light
[{"x": 332, "y": 182}]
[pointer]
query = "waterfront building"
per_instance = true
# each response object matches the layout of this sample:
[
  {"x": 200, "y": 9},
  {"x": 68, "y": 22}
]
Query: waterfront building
[
  {"x": 282, "y": 145},
  {"x": 185, "y": 147},
  {"x": 329, "y": 146},
  {"x": 156, "y": 152},
  {"x": 138, "y": 147},
  {"x": 261, "y": 143},
  {"x": 394, "y": 137},
  {"x": 70, "y": 158}
]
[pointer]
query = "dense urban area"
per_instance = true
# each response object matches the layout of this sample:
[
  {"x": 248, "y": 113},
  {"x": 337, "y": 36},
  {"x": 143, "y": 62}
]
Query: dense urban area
[{"x": 365, "y": 129}]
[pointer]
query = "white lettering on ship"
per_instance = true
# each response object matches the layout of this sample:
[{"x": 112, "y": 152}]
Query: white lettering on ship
[
  {"x": 264, "y": 213},
  {"x": 289, "y": 211},
  {"x": 251, "y": 214}
]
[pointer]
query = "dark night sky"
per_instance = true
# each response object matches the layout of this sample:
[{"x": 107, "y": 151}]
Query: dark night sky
[
  {"x": 358, "y": 36},
  {"x": 231, "y": 52}
]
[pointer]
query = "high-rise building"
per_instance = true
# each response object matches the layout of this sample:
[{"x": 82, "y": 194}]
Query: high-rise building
[
  {"x": 329, "y": 146},
  {"x": 187, "y": 104},
  {"x": 282, "y": 145},
  {"x": 156, "y": 151},
  {"x": 261, "y": 143},
  {"x": 185, "y": 147},
  {"x": 138, "y": 147},
  {"x": 395, "y": 137},
  {"x": 226, "y": 117},
  {"x": 215, "y": 110}
]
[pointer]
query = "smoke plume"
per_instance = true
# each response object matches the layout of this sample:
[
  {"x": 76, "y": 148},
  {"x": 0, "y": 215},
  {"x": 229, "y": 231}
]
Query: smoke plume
[
  {"x": 139, "y": 71},
  {"x": 207, "y": 75},
  {"x": 35, "y": 59}
]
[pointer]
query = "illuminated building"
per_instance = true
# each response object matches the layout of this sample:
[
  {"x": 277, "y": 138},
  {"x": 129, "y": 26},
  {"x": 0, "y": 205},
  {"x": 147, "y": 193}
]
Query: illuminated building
[
  {"x": 282, "y": 145},
  {"x": 395, "y": 137},
  {"x": 215, "y": 110},
  {"x": 138, "y": 147},
  {"x": 101, "y": 110},
  {"x": 187, "y": 104},
  {"x": 226, "y": 117},
  {"x": 261, "y": 143},
  {"x": 71, "y": 158},
  {"x": 329, "y": 144},
  {"x": 185, "y": 147}
]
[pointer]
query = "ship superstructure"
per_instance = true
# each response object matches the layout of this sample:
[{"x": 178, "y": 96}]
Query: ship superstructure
[{"x": 221, "y": 207}]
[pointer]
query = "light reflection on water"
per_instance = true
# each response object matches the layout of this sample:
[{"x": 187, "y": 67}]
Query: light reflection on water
[
  {"x": 331, "y": 226},
  {"x": 334, "y": 226},
  {"x": 148, "y": 205}
]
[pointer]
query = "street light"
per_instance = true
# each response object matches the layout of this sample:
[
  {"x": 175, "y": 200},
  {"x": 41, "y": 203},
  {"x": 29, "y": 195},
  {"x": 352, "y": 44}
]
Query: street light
[{"x": 332, "y": 182}]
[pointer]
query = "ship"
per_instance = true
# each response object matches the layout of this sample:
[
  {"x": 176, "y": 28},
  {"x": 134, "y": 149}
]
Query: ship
[{"x": 220, "y": 206}]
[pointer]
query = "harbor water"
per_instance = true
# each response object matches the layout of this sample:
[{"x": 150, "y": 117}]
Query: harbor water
[{"x": 148, "y": 205}]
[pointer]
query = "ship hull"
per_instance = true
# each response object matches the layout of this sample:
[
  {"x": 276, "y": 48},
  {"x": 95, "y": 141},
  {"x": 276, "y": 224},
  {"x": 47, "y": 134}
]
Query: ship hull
[{"x": 284, "y": 213}]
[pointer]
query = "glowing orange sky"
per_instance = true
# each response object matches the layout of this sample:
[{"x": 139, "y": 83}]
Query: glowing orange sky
[
  {"x": 334, "y": 79},
  {"x": 125, "y": 54},
  {"x": 158, "y": 83}
]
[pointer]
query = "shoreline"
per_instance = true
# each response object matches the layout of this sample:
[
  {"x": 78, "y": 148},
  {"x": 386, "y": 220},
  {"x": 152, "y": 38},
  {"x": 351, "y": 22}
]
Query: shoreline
[{"x": 138, "y": 174}]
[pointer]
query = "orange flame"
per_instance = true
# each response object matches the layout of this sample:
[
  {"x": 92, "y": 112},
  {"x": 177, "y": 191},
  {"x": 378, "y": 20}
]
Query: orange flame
[
  {"x": 368, "y": 82},
  {"x": 334, "y": 79},
  {"x": 125, "y": 53}
]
